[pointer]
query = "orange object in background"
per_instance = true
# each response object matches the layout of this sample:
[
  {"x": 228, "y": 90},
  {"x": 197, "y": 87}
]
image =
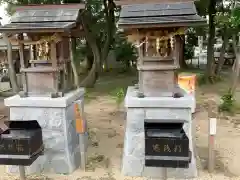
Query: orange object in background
[
  {"x": 187, "y": 82},
  {"x": 79, "y": 121}
]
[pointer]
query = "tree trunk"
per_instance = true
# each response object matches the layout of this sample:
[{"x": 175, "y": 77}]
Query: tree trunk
[
  {"x": 92, "y": 76},
  {"x": 89, "y": 63},
  {"x": 222, "y": 54},
  {"x": 11, "y": 69},
  {"x": 110, "y": 23},
  {"x": 235, "y": 74},
  {"x": 210, "y": 51},
  {"x": 73, "y": 58},
  {"x": 106, "y": 65},
  {"x": 236, "y": 66}
]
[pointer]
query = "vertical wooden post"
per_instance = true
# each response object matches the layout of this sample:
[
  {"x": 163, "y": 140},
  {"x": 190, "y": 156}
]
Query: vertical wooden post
[
  {"x": 176, "y": 56},
  {"x": 53, "y": 50},
  {"x": 140, "y": 59},
  {"x": 34, "y": 50},
  {"x": 81, "y": 130},
  {"x": 21, "y": 54},
  {"x": 164, "y": 172},
  {"x": 64, "y": 63},
  {"x": 72, "y": 49},
  {"x": 31, "y": 55},
  {"x": 5, "y": 56},
  {"x": 22, "y": 64},
  {"x": 211, "y": 144},
  {"x": 146, "y": 43},
  {"x": 176, "y": 50},
  {"x": 66, "y": 57},
  {"x": 211, "y": 139},
  {"x": 140, "y": 52}
]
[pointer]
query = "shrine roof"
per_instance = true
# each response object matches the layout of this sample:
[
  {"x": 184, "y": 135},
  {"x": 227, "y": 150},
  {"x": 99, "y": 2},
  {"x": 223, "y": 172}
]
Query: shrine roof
[
  {"x": 159, "y": 15},
  {"x": 43, "y": 17},
  {"x": 36, "y": 27}
]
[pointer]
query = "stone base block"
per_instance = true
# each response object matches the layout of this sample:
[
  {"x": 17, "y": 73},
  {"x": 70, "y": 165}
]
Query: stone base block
[
  {"x": 155, "y": 108},
  {"x": 56, "y": 118},
  {"x": 191, "y": 99}
]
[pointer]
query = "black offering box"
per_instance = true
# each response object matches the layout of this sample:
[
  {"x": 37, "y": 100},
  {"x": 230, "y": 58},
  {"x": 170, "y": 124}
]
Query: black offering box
[
  {"x": 166, "y": 145},
  {"x": 20, "y": 142}
]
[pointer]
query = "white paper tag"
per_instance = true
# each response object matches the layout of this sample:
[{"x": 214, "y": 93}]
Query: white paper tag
[{"x": 213, "y": 126}]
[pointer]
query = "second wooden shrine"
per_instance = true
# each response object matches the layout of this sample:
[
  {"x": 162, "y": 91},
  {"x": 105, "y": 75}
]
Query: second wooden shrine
[{"x": 49, "y": 31}]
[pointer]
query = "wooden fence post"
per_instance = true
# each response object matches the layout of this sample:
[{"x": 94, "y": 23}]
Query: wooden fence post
[
  {"x": 22, "y": 173},
  {"x": 212, "y": 129}
]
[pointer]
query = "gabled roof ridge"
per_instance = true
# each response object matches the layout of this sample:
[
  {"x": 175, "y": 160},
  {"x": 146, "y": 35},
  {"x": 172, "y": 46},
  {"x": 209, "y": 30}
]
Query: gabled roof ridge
[
  {"x": 159, "y": 3},
  {"x": 50, "y": 6}
]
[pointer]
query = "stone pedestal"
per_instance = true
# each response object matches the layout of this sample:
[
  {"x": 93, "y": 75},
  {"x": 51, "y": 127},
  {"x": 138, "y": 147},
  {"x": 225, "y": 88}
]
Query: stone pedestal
[
  {"x": 56, "y": 117},
  {"x": 159, "y": 108}
]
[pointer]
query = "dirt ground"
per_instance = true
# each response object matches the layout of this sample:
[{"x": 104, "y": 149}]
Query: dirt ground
[{"x": 106, "y": 128}]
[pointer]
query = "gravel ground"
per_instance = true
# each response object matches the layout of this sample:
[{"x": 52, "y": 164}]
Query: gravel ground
[{"x": 106, "y": 124}]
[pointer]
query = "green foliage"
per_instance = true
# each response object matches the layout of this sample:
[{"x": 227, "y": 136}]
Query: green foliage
[
  {"x": 235, "y": 18},
  {"x": 82, "y": 50},
  {"x": 192, "y": 37},
  {"x": 201, "y": 80},
  {"x": 188, "y": 51},
  {"x": 96, "y": 15},
  {"x": 191, "y": 41},
  {"x": 89, "y": 95},
  {"x": 202, "y": 10},
  {"x": 98, "y": 22},
  {"x": 228, "y": 17},
  {"x": 118, "y": 95},
  {"x": 227, "y": 103},
  {"x": 125, "y": 52},
  {"x": 201, "y": 7}
]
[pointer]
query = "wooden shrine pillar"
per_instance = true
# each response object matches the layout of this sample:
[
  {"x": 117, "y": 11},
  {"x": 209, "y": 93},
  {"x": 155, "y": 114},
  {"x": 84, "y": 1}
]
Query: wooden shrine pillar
[
  {"x": 72, "y": 50},
  {"x": 31, "y": 55},
  {"x": 177, "y": 48},
  {"x": 63, "y": 62},
  {"x": 140, "y": 56},
  {"x": 22, "y": 65},
  {"x": 53, "y": 55}
]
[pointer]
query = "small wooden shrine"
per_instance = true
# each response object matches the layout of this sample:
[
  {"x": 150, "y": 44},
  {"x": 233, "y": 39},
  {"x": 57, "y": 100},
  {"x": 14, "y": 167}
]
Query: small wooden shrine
[
  {"x": 51, "y": 30},
  {"x": 156, "y": 31}
]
